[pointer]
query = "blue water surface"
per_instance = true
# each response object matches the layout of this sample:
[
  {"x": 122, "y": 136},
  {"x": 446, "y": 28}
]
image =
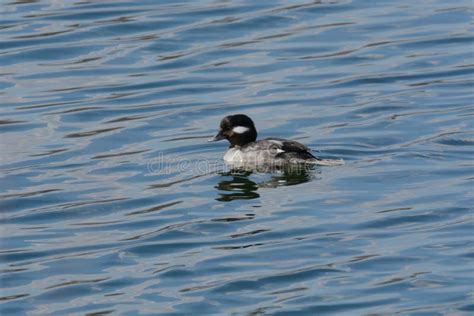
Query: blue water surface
[{"x": 113, "y": 202}]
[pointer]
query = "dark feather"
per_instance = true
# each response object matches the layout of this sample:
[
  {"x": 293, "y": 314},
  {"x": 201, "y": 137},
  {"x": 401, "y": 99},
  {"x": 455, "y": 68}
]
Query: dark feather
[{"x": 291, "y": 149}]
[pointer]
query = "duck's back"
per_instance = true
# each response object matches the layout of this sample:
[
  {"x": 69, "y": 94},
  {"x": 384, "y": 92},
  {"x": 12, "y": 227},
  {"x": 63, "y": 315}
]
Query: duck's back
[{"x": 275, "y": 152}]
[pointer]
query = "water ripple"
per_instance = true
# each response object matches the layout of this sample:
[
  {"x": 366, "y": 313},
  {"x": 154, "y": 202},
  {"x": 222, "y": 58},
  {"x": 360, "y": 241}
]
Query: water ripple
[{"x": 113, "y": 201}]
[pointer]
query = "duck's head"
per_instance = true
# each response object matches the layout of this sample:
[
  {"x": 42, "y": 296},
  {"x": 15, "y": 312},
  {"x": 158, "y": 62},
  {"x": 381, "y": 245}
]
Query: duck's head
[{"x": 238, "y": 129}]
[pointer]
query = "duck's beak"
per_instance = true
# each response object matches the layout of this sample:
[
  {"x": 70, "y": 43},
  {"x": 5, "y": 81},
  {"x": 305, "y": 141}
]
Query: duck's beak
[{"x": 219, "y": 136}]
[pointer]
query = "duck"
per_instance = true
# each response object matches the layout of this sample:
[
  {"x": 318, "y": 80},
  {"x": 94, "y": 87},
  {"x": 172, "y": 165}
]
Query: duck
[{"x": 245, "y": 150}]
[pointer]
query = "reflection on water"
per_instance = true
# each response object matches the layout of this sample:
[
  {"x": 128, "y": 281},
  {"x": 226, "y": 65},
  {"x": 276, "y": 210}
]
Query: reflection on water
[{"x": 237, "y": 184}]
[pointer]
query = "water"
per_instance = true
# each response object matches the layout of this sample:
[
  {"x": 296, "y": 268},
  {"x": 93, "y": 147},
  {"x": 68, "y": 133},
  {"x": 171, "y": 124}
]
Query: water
[{"x": 114, "y": 203}]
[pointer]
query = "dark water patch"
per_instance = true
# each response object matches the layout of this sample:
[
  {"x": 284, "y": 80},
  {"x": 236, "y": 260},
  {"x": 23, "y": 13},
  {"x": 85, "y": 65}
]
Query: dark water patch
[
  {"x": 91, "y": 133},
  {"x": 13, "y": 297},
  {"x": 120, "y": 154},
  {"x": 154, "y": 209},
  {"x": 7, "y": 121},
  {"x": 50, "y": 152},
  {"x": 28, "y": 194}
]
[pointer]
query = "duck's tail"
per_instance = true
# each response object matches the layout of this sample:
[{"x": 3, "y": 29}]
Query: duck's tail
[{"x": 327, "y": 162}]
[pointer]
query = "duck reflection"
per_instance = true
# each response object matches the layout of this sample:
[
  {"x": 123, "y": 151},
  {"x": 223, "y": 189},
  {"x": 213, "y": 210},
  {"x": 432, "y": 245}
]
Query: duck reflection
[{"x": 238, "y": 184}]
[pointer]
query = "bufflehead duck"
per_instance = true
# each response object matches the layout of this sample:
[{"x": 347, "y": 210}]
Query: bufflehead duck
[{"x": 246, "y": 150}]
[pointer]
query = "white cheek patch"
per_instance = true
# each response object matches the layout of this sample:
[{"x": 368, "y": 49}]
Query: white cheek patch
[{"x": 240, "y": 129}]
